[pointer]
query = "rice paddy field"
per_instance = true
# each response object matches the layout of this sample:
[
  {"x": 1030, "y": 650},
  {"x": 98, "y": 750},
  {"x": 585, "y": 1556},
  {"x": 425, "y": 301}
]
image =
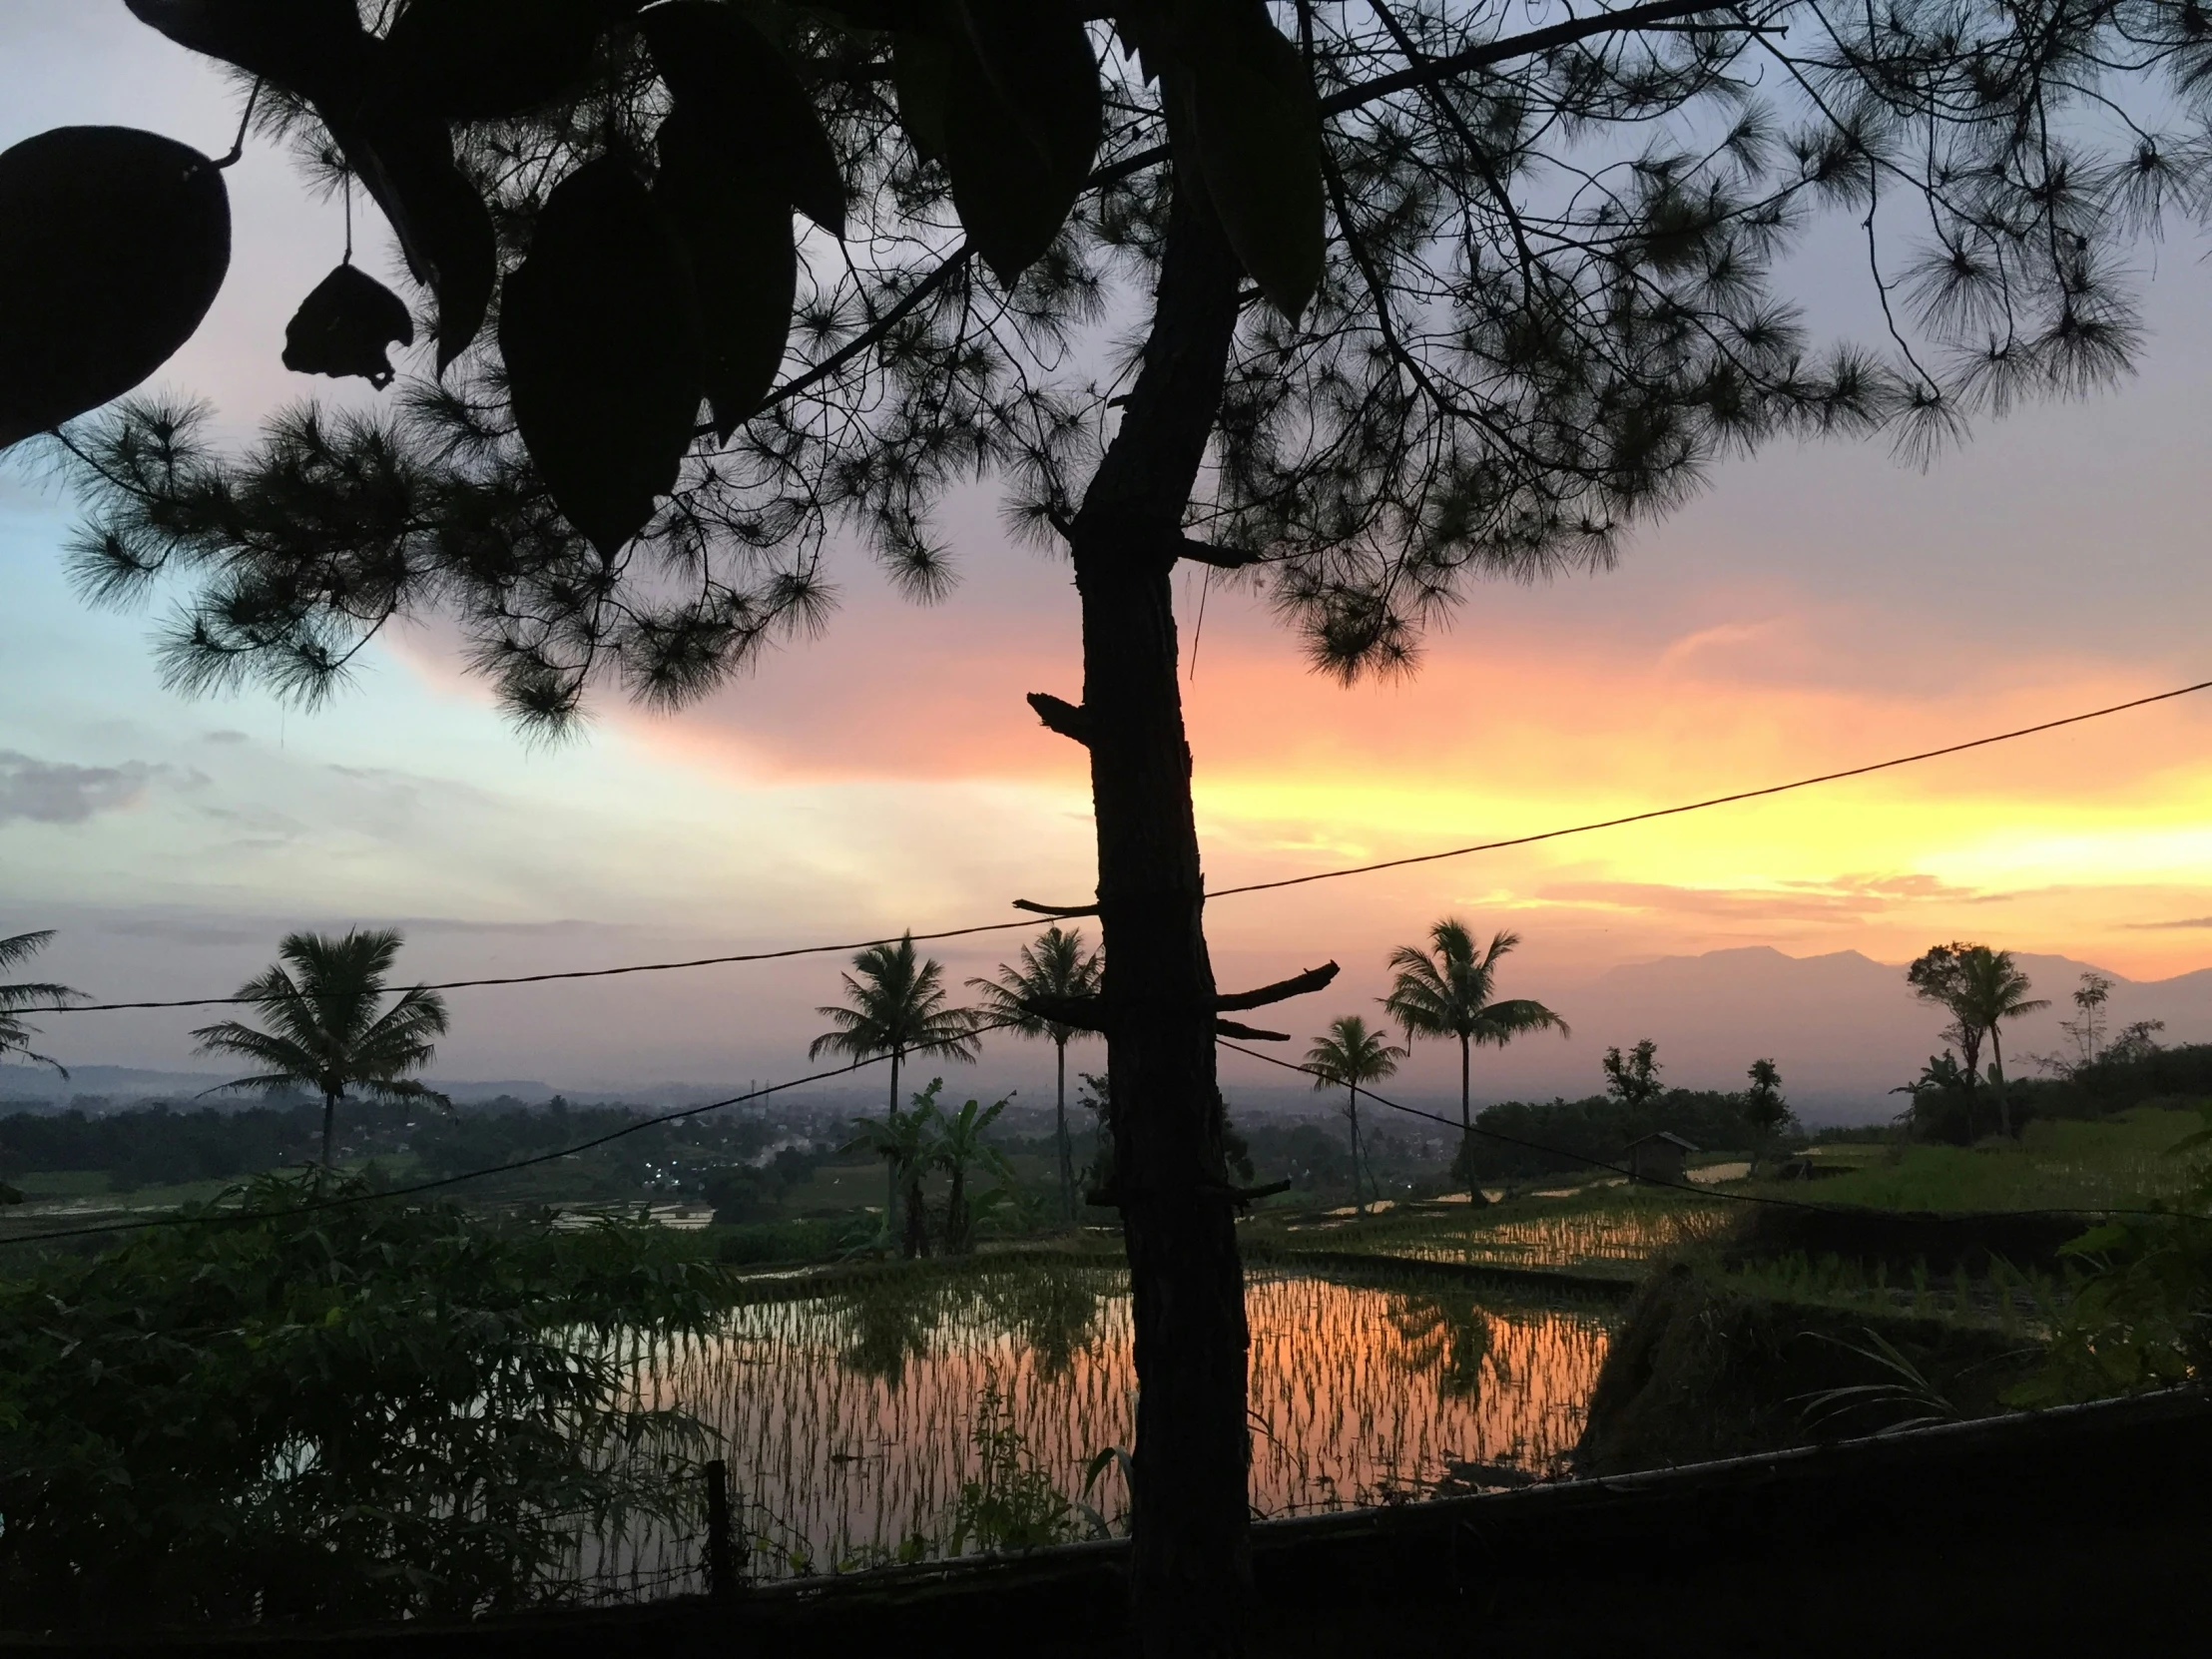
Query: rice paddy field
[
  {"x": 849, "y": 1418},
  {"x": 1606, "y": 1230}
]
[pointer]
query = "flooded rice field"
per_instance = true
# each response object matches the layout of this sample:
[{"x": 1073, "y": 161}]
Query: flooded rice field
[
  {"x": 1619, "y": 1239},
  {"x": 849, "y": 1420}
]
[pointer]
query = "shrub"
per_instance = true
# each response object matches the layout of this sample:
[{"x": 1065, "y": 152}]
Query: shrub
[{"x": 326, "y": 1404}]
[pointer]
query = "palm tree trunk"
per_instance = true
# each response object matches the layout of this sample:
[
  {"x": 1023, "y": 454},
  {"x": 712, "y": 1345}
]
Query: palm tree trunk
[
  {"x": 1189, "y": 1561},
  {"x": 890, "y": 1165},
  {"x": 1996, "y": 1063},
  {"x": 329, "y": 1124},
  {"x": 1067, "y": 1153},
  {"x": 1467, "y": 1117},
  {"x": 1358, "y": 1198}
]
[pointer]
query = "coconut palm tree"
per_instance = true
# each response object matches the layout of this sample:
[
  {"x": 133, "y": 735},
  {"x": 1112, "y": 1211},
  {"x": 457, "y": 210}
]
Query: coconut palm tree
[
  {"x": 1448, "y": 990},
  {"x": 15, "y": 1035},
  {"x": 895, "y": 1005},
  {"x": 1349, "y": 1054},
  {"x": 327, "y": 1028},
  {"x": 1055, "y": 966},
  {"x": 1992, "y": 989}
]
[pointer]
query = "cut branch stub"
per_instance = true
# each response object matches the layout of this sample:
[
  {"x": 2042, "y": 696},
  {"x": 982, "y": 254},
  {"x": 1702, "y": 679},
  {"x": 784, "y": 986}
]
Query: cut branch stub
[
  {"x": 1249, "y": 1033},
  {"x": 1063, "y": 717},
  {"x": 1084, "y": 1013},
  {"x": 1221, "y": 558},
  {"x": 113, "y": 245},
  {"x": 1036, "y": 910},
  {"x": 1312, "y": 979}
]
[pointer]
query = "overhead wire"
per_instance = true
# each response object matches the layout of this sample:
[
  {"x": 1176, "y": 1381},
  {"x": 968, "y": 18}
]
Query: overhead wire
[
  {"x": 1692, "y": 1188},
  {"x": 214, "y": 1217},
  {"x": 89, "y": 1007}
]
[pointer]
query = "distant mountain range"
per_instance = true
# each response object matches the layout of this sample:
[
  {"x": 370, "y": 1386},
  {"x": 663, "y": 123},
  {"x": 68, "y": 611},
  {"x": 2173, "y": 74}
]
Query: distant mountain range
[{"x": 1843, "y": 1028}]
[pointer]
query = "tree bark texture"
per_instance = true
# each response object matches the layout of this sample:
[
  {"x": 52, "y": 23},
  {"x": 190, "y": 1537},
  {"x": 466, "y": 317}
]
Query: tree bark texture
[{"x": 1191, "y": 1563}]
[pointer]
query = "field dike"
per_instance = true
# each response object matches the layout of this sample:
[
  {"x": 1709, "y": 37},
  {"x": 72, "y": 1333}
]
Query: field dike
[{"x": 1700, "y": 1370}]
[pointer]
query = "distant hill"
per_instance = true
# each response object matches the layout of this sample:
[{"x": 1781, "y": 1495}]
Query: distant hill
[{"x": 29, "y": 1085}]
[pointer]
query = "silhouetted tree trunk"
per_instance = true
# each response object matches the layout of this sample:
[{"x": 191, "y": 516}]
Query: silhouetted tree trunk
[
  {"x": 1466, "y": 1119},
  {"x": 330, "y": 1125},
  {"x": 1191, "y": 1563},
  {"x": 918, "y": 1221},
  {"x": 1996, "y": 1079},
  {"x": 890, "y": 1166},
  {"x": 1066, "y": 1148}
]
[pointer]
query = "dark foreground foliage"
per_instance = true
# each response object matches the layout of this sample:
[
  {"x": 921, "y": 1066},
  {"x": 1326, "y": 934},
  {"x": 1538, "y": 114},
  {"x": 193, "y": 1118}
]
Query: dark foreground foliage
[
  {"x": 2143, "y": 1318},
  {"x": 1701, "y": 1370},
  {"x": 367, "y": 1411}
]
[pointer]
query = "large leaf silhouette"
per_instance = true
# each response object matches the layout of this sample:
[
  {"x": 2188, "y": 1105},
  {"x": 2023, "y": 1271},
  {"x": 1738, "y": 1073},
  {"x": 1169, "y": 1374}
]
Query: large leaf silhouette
[
  {"x": 737, "y": 227},
  {"x": 603, "y": 365},
  {"x": 473, "y": 60},
  {"x": 113, "y": 245},
  {"x": 1022, "y": 124},
  {"x": 1258, "y": 139},
  {"x": 726, "y": 74},
  {"x": 444, "y": 229},
  {"x": 314, "y": 47}
]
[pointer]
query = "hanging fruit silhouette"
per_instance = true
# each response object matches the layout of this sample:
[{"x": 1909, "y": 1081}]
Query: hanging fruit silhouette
[
  {"x": 348, "y": 326},
  {"x": 113, "y": 245}
]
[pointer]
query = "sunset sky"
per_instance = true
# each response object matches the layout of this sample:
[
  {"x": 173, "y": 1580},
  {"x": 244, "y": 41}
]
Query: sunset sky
[{"x": 1815, "y": 608}]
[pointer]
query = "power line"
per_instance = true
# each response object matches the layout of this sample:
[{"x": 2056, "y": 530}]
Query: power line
[
  {"x": 1691, "y": 1187},
  {"x": 568, "y": 974},
  {"x": 1718, "y": 799},
  {"x": 233, "y": 1217},
  {"x": 226, "y": 1216},
  {"x": 1224, "y": 892}
]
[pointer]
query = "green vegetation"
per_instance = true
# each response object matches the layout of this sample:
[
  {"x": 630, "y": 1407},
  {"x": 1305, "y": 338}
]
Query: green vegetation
[
  {"x": 1347, "y": 1057},
  {"x": 327, "y": 1029},
  {"x": 367, "y": 1410},
  {"x": 1448, "y": 991},
  {"x": 1055, "y": 968},
  {"x": 1597, "y": 1129},
  {"x": 2055, "y": 1164},
  {"x": 2143, "y": 1315},
  {"x": 15, "y": 1033}
]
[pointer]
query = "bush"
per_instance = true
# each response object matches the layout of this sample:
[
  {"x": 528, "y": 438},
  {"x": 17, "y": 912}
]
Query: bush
[
  {"x": 370, "y": 1411},
  {"x": 769, "y": 1243}
]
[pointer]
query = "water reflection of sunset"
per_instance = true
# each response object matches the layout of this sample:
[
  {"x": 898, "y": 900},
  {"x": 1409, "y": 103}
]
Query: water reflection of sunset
[{"x": 847, "y": 1420}]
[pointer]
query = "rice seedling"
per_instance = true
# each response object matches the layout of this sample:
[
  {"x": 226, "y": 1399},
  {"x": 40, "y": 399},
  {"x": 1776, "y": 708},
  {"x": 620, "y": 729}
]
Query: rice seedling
[{"x": 875, "y": 1422}]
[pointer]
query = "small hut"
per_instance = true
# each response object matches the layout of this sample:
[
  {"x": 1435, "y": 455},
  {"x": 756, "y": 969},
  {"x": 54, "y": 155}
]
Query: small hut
[{"x": 1658, "y": 1157}]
